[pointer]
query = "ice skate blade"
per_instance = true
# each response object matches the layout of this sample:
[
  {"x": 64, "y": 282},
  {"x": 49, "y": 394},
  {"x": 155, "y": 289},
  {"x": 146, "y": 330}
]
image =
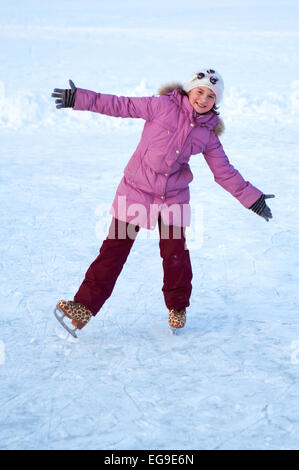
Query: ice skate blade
[
  {"x": 173, "y": 331},
  {"x": 60, "y": 318}
]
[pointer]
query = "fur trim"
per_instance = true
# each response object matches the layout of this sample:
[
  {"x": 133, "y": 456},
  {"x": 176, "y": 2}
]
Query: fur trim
[
  {"x": 169, "y": 87},
  {"x": 220, "y": 128}
]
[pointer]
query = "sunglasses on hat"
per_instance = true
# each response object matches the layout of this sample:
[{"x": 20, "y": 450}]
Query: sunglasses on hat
[{"x": 213, "y": 80}]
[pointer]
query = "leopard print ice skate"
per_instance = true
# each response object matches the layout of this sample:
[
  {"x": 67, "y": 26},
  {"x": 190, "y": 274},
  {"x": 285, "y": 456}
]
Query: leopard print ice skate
[
  {"x": 78, "y": 313},
  {"x": 177, "y": 318}
]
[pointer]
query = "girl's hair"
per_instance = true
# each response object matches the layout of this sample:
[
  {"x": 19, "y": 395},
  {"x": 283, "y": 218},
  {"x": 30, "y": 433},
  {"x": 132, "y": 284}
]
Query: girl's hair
[{"x": 214, "y": 109}]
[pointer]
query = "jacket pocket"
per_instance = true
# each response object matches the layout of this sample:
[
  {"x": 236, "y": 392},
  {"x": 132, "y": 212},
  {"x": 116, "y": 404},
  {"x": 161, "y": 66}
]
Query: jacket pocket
[
  {"x": 167, "y": 126},
  {"x": 156, "y": 160}
]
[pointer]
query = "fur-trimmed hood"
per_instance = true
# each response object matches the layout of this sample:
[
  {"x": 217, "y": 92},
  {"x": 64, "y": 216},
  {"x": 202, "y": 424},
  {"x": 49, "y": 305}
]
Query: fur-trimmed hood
[{"x": 169, "y": 87}]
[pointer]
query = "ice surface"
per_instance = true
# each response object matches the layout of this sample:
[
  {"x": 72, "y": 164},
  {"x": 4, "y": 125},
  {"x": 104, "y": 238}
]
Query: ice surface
[{"x": 230, "y": 379}]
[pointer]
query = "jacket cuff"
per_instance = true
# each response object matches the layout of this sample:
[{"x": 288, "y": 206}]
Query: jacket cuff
[{"x": 84, "y": 99}]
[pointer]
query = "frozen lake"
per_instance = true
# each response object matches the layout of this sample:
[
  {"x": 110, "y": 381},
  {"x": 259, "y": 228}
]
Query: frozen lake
[{"x": 229, "y": 380}]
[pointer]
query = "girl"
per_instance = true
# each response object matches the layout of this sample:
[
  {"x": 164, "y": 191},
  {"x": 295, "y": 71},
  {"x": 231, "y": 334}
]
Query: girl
[{"x": 180, "y": 122}]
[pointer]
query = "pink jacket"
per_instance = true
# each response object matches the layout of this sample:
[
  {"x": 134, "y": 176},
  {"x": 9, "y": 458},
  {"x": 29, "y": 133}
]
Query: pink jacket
[{"x": 156, "y": 178}]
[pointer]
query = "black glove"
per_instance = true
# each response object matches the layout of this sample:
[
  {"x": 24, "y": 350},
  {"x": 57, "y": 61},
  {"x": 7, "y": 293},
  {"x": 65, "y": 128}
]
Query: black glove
[
  {"x": 261, "y": 208},
  {"x": 66, "y": 97}
]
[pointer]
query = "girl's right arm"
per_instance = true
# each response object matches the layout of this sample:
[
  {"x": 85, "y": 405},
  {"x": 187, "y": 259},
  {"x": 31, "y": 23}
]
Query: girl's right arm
[
  {"x": 111, "y": 105},
  {"x": 117, "y": 106}
]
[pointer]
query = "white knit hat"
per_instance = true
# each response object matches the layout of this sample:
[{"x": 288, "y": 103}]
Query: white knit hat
[{"x": 208, "y": 78}]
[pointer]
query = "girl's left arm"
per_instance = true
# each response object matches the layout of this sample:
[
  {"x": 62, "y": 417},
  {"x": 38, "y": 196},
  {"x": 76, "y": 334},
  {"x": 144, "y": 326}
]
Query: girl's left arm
[
  {"x": 227, "y": 176},
  {"x": 117, "y": 106}
]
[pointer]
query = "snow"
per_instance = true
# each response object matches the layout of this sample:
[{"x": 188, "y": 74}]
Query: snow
[{"x": 229, "y": 380}]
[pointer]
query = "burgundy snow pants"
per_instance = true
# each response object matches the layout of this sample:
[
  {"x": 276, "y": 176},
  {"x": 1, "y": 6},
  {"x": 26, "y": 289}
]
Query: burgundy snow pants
[{"x": 102, "y": 274}]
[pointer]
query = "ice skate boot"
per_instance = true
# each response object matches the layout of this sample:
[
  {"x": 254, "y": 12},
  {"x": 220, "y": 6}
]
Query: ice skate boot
[
  {"x": 177, "y": 319},
  {"x": 78, "y": 313}
]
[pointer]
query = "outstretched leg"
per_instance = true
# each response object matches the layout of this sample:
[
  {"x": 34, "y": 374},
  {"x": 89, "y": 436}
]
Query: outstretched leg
[{"x": 102, "y": 274}]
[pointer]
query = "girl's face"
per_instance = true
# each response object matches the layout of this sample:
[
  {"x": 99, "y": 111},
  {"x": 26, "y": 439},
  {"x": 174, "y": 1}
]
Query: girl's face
[{"x": 202, "y": 99}]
